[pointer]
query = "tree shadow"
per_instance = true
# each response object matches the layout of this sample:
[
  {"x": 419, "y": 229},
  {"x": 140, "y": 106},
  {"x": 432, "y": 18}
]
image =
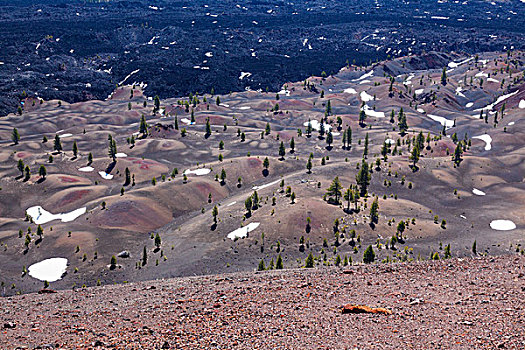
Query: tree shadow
[
  {"x": 265, "y": 172},
  {"x": 110, "y": 167},
  {"x": 213, "y": 227}
]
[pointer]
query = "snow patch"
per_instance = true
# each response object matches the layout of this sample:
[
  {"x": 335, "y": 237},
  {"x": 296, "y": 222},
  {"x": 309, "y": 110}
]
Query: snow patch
[
  {"x": 350, "y": 91},
  {"x": 50, "y": 270},
  {"x": 522, "y": 104},
  {"x": 256, "y": 188},
  {"x": 243, "y": 231},
  {"x": 86, "y": 169},
  {"x": 316, "y": 125},
  {"x": 42, "y": 216},
  {"x": 442, "y": 120},
  {"x": 105, "y": 175},
  {"x": 244, "y": 75},
  {"x": 365, "y": 97},
  {"x": 371, "y": 113},
  {"x": 478, "y": 192},
  {"x": 470, "y": 104},
  {"x": 419, "y": 91},
  {"x": 198, "y": 172},
  {"x": 121, "y": 155},
  {"x": 502, "y": 225},
  {"x": 364, "y": 76},
  {"x": 487, "y": 139}
]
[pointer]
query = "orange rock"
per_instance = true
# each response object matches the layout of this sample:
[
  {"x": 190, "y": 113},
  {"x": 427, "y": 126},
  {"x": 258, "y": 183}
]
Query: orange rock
[{"x": 363, "y": 309}]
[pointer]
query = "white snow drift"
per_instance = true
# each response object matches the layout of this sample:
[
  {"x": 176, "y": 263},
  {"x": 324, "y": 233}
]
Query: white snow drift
[
  {"x": 522, "y": 104},
  {"x": 487, "y": 139},
  {"x": 350, "y": 91},
  {"x": 502, "y": 225},
  {"x": 243, "y": 231},
  {"x": 478, "y": 192},
  {"x": 198, "y": 172},
  {"x": 86, "y": 169},
  {"x": 42, "y": 216},
  {"x": 442, "y": 120},
  {"x": 105, "y": 175},
  {"x": 365, "y": 97},
  {"x": 50, "y": 270}
]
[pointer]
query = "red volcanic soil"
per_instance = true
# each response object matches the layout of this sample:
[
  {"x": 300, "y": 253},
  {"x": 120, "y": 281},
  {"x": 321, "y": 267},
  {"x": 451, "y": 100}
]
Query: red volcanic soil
[
  {"x": 67, "y": 179},
  {"x": 144, "y": 163},
  {"x": 73, "y": 197},
  {"x": 451, "y": 304},
  {"x": 136, "y": 214},
  {"x": 214, "y": 119},
  {"x": 22, "y": 155}
]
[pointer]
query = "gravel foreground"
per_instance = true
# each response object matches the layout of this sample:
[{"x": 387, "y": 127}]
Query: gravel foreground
[{"x": 452, "y": 304}]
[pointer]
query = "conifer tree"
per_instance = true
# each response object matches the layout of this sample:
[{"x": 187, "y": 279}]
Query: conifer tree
[
  {"x": 42, "y": 172},
  {"x": 335, "y": 190},
  {"x": 282, "y": 151},
  {"x": 57, "y": 144},
  {"x": 15, "y": 136}
]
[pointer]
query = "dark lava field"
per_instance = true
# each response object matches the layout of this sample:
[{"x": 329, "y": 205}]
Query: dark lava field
[{"x": 78, "y": 50}]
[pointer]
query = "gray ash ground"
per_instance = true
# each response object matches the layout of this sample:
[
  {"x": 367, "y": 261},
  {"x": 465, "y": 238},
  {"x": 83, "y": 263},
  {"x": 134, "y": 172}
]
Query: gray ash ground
[{"x": 77, "y": 51}]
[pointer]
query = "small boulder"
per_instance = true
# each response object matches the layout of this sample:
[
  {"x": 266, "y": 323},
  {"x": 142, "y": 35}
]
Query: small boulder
[
  {"x": 123, "y": 254},
  {"x": 9, "y": 325}
]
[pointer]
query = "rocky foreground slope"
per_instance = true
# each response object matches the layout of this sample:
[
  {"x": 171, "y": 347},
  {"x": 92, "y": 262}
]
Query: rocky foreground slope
[{"x": 454, "y": 304}]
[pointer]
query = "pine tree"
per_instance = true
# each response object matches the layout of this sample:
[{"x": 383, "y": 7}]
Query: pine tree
[
  {"x": 365, "y": 150},
  {"x": 329, "y": 138},
  {"x": 474, "y": 248},
  {"x": 348, "y": 196},
  {"x": 268, "y": 129},
  {"x": 156, "y": 102},
  {"x": 457, "y": 154},
  {"x": 112, "y": 148},
  {"x": 349, "y": 137},
  {"x": 279, "y": 263},
  {"x": 414, "y": 156},
  {"x": 127, "y": 176},
  {"x": 90, "y": 158},
  {"x": 282, "y": 151},
  {"x": 335, "y": 190},
  {"x": 309, "y": 165},
  {"x": 444, "y": 76},
  {"x": 42, "y": 172},
  {"x": 309, "y": 128},
  {"x": 15, "y": 136},
  {"x": 292, "y": 145},
  {"x": 113, "y": 263},
  {"x": 57, "y": 144},
  {"x": 144, "y": 256},
  {"x": 223, "y": 176},
  {"x": 248, "y": 205},
  {"x": 261, "y": 266},
  {"x": 21, "y": 166},
  {"x": 374, "y": 211},
  {"x": 176, "y": 126},
  {"x": 309, "y": 263},
  {"x": 266, "y": 163},
  {"x": 402, "y": 122},
  {"x": 369, "y": 255},
  {"x": 208, "y": 128},
  {"x": 143, "y": 129},
  {"x": 363, "y": 177},
  {"x": 27, "y": 173},
  {"x": 362, "y": 118},
  {"x": 75, "y": 149},
  {"x": 158, "y": 240}
]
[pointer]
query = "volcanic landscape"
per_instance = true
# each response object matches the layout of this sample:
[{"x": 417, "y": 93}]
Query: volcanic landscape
[{"x": 208, "y": 184}]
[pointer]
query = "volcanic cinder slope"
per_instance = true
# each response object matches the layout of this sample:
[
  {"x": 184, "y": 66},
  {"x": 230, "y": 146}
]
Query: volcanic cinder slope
[
  {"x": 159, "y": 199},
  {"x": 453, "y": 304}
]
